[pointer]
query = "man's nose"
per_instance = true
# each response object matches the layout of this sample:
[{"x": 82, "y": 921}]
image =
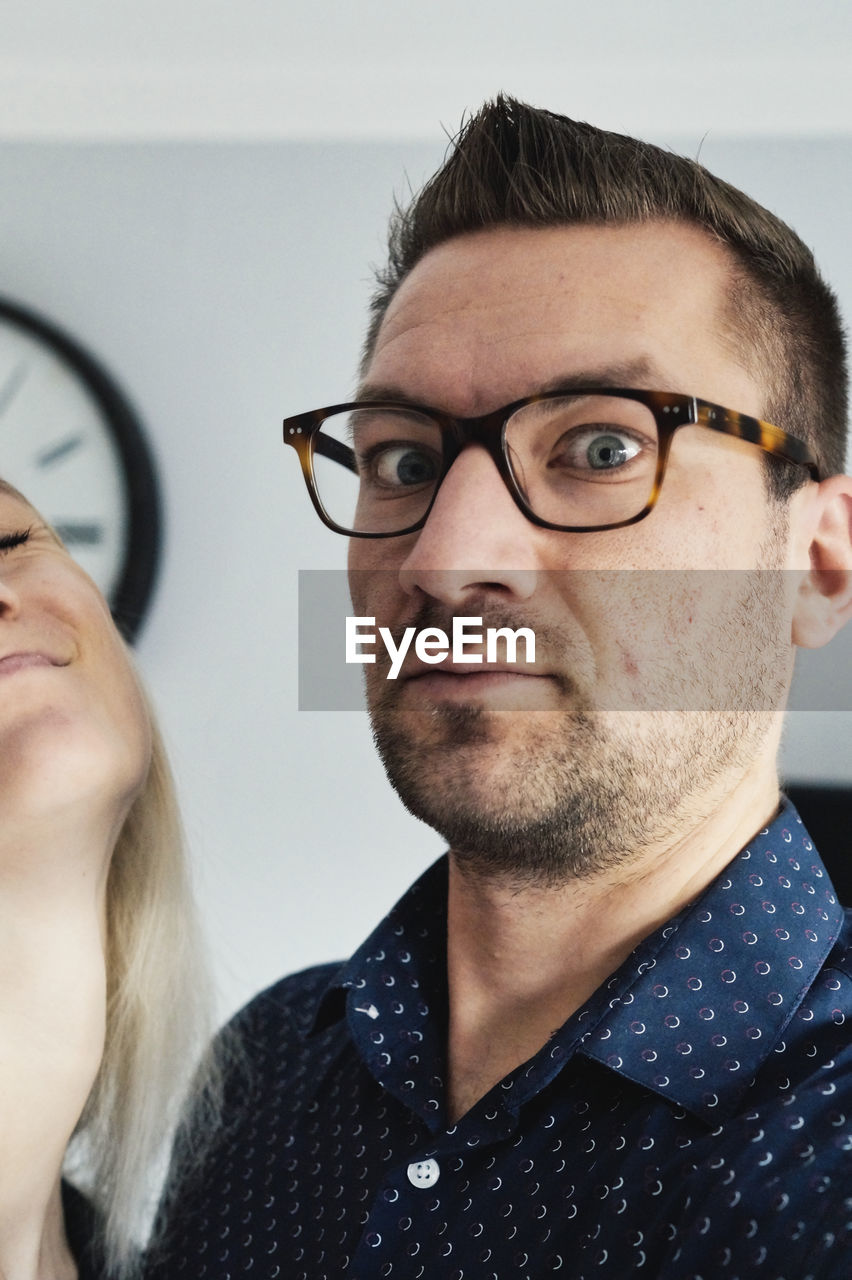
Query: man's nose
[{"x": 475, "y": 539}]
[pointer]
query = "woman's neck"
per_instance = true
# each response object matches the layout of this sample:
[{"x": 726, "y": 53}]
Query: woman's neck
[
  {"x": 52, "y": 1024},
  {"x": 44, "y": 1254}
]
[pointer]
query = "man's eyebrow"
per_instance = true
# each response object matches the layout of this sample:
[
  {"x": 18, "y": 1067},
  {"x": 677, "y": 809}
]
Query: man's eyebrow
[
  {"x": 642, "y": 373},
  {"x": 384, "y": 391}
]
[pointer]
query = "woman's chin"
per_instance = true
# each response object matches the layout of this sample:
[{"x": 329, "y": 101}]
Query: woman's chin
[{"x": 48, "y": 768}]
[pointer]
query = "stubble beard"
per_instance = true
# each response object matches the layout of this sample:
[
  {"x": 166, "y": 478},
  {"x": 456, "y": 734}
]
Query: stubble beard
[{"x": 545, "y": 797}]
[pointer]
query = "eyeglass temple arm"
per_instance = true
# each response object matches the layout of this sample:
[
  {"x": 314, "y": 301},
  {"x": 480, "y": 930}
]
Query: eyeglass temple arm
[
  {"x": 771, "y": 438},
  {"x": 336, "y": 451}
]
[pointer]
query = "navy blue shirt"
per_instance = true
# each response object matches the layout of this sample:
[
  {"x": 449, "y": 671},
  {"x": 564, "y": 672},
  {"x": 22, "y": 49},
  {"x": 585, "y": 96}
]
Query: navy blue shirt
[
  {"x": 693, "y": 1119},
  {"x": 84, "y": 1231}
]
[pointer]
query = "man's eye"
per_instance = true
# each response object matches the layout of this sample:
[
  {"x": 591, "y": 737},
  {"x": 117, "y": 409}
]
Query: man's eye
[
  {"x": 8, "y": 541},
  {"x": 403, "y": 466},
  {"x": 597, "y": 449}
]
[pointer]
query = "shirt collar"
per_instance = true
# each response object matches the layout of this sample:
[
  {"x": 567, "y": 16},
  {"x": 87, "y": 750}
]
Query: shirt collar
[
  {"x": 695, "y": 1021},
  {"x": 420, "y": 917},
  {"x": 692, "y": 1012}
]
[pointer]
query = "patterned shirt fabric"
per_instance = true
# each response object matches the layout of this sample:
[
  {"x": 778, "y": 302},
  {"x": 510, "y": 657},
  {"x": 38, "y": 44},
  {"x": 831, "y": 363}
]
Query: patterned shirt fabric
[{"x": 693, "y": 1121}]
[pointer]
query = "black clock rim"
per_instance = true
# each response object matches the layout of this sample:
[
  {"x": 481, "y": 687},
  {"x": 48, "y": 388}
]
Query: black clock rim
[{"x": 142, "y": 549}]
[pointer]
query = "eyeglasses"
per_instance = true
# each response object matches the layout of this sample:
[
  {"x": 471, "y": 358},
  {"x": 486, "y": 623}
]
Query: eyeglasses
[{"x": 577, "y": 460}]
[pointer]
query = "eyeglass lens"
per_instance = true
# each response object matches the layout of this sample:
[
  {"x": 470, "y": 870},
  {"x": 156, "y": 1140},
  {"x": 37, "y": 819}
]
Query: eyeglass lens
[{"x": 580, "y": 461}]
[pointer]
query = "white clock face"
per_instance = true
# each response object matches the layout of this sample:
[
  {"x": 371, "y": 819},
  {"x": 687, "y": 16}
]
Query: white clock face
[{"x": 57, "y": 448}]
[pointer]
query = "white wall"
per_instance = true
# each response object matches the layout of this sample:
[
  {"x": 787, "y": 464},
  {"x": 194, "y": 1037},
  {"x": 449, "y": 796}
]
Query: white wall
[
  {"x": 225, "y": 286},
  {"x": 336, "y": 69}
]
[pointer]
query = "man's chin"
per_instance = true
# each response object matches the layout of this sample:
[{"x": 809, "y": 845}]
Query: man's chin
[
  {"x": 551, "y": 798},
  {"x": 488, "y": 792},
  {"x": 449, "y": 725},
  {"x": 498, "y": 831}
]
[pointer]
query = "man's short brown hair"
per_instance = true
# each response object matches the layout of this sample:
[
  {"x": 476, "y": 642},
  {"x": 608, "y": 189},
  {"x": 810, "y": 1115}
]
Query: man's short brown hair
[{"x": 516, "y": 165}]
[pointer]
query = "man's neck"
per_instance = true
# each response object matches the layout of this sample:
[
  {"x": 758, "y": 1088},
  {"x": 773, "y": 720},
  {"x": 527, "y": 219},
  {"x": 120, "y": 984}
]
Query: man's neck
[{"x": 520, "y": 961}]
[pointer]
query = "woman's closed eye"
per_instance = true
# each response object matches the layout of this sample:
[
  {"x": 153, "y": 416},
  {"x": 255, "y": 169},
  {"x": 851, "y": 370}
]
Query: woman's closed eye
[{"x": 8, "y": 541}]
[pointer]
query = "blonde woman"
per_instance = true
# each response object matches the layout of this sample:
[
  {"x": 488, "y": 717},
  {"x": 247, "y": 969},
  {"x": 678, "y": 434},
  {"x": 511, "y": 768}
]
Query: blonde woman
[{"x": 98, "y": 978}]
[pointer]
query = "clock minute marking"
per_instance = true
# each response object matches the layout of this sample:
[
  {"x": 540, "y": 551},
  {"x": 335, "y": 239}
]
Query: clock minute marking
[
  {"x": 13, "y": 384},
  {"x": 56, "y": 452},
  {"x": 79, "y": 533}
]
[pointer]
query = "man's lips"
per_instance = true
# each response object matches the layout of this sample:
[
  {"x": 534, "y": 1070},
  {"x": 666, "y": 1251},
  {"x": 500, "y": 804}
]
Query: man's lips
[
  {"x": 417, "y": 670},
  {"x": 491, "y": 687}
]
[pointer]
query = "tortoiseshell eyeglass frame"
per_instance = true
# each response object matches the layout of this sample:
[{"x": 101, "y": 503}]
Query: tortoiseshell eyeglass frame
[{"x": 671, "y": 411}]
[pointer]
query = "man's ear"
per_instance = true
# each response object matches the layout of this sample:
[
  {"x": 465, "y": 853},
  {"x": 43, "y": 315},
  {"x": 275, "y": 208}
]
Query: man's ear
[{"x": 824, "y": 599}]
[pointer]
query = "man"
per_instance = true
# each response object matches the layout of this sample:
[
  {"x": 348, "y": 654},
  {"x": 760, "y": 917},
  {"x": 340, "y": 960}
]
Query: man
[{"x": 606, "y": 1034}]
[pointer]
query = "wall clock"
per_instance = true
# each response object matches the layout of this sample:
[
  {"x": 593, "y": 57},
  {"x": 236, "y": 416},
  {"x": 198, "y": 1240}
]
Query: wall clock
[{"x": 71, "y": 443}]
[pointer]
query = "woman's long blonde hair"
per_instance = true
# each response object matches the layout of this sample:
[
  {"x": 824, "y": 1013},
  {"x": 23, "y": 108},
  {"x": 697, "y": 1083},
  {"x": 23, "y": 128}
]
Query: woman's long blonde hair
[{"x": 157, "y": 1018}]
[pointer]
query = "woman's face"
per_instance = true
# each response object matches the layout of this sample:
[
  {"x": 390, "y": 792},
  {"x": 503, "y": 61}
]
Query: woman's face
[{"x": 73, "y": 725}]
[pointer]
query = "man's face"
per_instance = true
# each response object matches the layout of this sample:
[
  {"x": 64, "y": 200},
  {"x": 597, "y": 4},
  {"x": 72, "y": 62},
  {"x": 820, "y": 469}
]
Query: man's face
[{"x": 590, "y": 756}]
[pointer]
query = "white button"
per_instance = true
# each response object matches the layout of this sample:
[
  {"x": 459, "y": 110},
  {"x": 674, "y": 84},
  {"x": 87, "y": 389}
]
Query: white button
[{"x": 424, "y": 1173}]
